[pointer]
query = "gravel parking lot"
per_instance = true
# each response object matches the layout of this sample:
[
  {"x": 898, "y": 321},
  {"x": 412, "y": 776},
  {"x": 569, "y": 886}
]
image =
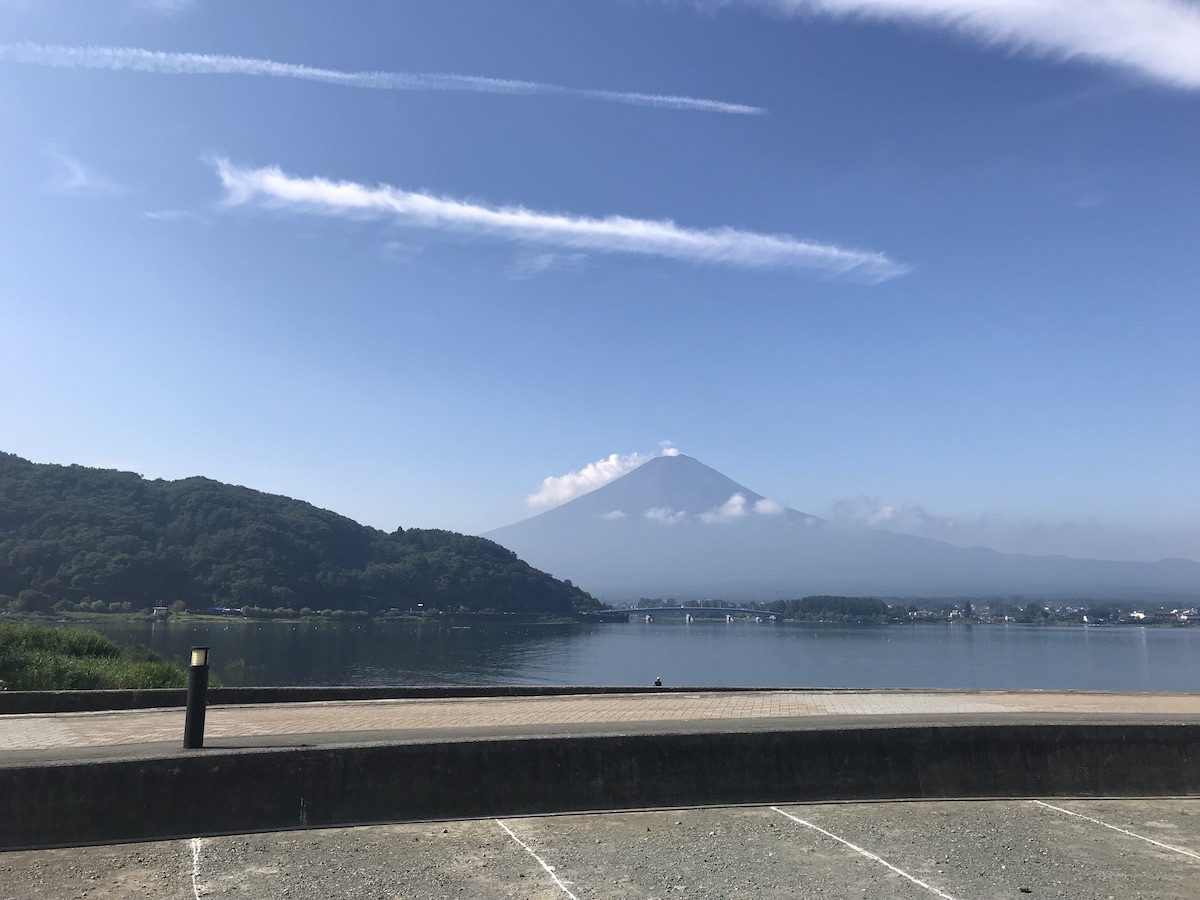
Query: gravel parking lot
[{"x": 1104, "y": 849}]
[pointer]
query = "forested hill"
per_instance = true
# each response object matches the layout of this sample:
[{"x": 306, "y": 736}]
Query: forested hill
[{"x": 74, "y": 533}]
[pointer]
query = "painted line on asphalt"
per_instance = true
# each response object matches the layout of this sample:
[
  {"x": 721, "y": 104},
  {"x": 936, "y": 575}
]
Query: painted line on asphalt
[
  {"x": 541, "y": 862},
  {"x": 196, "y": 867},
  {"x": 1122, "y": 830},
  {"x": 867, "y": 853}
]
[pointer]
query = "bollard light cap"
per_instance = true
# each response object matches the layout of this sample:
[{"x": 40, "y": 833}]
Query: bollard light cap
[{"x": 200, "y": 656}]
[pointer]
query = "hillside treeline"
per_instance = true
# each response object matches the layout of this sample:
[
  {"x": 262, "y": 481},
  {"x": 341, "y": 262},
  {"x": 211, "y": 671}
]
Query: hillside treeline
[{"x": 71, "y": 533}]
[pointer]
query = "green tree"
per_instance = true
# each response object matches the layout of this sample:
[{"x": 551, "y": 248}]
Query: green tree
[
  {"x": 32, "y": 601},
  {"x": 1032, "y": 613}
]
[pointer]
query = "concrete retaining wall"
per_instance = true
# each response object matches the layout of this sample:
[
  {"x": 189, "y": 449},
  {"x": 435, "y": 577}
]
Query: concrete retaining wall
[
  {"x": 25, "y": 702},
  {"x": 213, "y": 792}
]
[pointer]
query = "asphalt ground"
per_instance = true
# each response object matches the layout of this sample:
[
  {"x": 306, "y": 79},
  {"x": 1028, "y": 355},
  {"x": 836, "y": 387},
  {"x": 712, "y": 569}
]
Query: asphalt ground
[
  {"x": 990, "y": 850},
  {"x": 66, "y": 737}
]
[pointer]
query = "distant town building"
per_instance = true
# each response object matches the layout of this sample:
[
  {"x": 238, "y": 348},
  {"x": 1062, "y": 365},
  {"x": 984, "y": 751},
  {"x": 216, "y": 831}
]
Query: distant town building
[{"x": 1158, "y": 615}]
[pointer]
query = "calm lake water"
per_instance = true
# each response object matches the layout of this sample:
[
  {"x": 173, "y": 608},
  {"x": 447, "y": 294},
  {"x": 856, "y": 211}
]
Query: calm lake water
[{"x": 699, "y": 654}]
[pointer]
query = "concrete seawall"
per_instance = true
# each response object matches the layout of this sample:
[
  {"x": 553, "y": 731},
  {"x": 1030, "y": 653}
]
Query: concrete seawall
[
  {"x": 27, "y": 702},
  {"x": 229, "y": 791}
]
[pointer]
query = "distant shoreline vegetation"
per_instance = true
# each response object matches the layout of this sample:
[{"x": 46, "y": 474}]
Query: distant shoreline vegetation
[
  {"x": 826, "y": 609},
  {"x": 876, "y": 611},
  {"x": 17, "y": 609}
]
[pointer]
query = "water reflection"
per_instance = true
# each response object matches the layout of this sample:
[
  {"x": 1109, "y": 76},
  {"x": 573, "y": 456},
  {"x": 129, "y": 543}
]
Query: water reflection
[{"x": 702, "y": 653}]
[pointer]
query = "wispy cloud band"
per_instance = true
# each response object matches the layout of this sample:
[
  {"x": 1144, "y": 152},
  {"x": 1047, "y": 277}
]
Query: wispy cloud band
[
  {"x": 73, "y": 177},
  {"x": 1158, "y": 39},
  {"x": 614, "y": 234},
  {"x": 134, "y": 59}
]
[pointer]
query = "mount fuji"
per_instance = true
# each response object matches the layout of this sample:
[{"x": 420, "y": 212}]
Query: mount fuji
[{"x": 673, "y": 527}]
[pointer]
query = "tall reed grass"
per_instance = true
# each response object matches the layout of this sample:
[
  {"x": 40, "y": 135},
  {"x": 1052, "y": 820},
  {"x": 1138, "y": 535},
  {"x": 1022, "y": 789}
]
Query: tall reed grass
[{"x": 43, "y": 658}]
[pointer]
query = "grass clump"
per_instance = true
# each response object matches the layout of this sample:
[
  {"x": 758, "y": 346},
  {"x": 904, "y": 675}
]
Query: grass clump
[{"x": 44, "y": 658}]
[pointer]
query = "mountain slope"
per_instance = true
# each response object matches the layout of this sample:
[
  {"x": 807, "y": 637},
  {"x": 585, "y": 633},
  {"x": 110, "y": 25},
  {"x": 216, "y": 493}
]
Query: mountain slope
[
  {"x": 74, "y": 533},
  {"x": 666, "y": 485},
  {"x": 675, "y": 528}
]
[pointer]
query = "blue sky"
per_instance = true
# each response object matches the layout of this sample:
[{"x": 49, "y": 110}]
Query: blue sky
[{"x": 930, "y": 265}]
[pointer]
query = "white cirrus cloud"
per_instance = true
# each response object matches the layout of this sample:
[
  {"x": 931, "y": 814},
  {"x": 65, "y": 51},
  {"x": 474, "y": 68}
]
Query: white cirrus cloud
[
  {"x": 176, "y": 215},
  {"x": 613, "y": 516},
  {"x": 164, "y": 7},
  {"x": 136, "y": 59},
  {"x": 730, "y": 511},
  {"x": 765, "y": 507},
  {"x": 1157, "y": 39},
  {"x": 275, "y": 189},
  {"x": 665, "y": 514},
  {"x": 558, "y": 489},
  {"x": 73, "y": 177},
  {"x": 537, "y": 263}
]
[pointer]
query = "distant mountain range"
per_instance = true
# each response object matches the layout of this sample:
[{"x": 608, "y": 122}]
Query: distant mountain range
[{"x": 673, "y": 527}]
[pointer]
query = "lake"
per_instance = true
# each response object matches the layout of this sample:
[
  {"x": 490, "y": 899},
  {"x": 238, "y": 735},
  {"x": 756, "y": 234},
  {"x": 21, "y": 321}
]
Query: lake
[{"x": 717, "y": 654}]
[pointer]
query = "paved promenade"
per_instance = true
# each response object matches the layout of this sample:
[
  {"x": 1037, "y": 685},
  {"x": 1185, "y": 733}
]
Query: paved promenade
[{"x": 98, "y": 735}]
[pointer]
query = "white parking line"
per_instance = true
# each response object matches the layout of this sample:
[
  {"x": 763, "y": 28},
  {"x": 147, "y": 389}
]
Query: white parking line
[
  {"x": 196, "y": 867},
  {"x": 867, "y": 853},
  {"x": 549, "y": 869},
  {"x": 1122, "y": 830}
]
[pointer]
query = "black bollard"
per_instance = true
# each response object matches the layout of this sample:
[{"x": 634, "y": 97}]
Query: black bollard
[{"x": 197, "y": 698}]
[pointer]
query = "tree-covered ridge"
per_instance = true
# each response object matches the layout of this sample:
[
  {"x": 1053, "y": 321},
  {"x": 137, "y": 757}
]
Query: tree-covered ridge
[{"x": 80, "y": 534}]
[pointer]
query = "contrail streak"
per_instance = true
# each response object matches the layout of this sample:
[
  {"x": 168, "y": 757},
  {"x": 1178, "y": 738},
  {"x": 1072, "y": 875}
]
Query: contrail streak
[{"x": 133, "y": 59}]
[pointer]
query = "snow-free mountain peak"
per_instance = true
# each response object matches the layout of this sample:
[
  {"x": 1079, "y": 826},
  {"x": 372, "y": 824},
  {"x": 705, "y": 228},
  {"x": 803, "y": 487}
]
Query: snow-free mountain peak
[
  {"x": 666, "y": 488},
  {"x": 673, "y": 527}
]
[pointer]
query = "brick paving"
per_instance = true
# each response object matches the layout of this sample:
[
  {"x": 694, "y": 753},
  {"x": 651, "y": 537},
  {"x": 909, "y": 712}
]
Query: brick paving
[{"x": 498, "y": 716}]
